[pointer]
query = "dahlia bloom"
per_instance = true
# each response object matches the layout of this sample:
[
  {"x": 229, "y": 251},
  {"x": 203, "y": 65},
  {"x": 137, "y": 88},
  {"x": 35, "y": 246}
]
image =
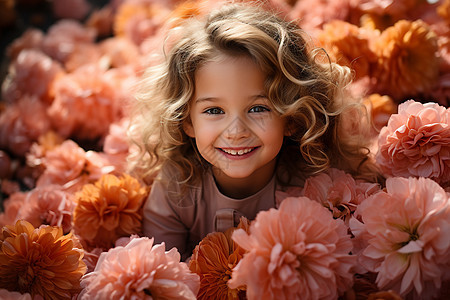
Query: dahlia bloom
[
  {"x": 140, "y": 270},
  {"x": 407, "y": 59},
  {"x": 109, "y": 209},
  {"x": 348, "y": 45},
  {"x": 213, "y": 260},
  {"x": 85, "y": 104},
  {"x": 406, "y": 231},
  {"x": 296, "y": 252},
  {"x": 40, "y": 261},
  {"x": 416, "y": 142},
  {"x": 31, "y": 73},
  {"x": 338, "y": 191}
]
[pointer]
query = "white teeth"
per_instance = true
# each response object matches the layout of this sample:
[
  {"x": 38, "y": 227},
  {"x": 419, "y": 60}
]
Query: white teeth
[{"x": 237, "y": 152}]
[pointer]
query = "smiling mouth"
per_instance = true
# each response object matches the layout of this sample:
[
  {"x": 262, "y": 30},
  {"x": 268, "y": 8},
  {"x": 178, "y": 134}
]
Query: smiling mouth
[{"x": 238, "y": 152}]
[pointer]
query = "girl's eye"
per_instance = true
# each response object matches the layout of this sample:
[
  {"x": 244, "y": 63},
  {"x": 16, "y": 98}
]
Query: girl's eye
[
  {"x": 258, "y": 109},
  {"x": 213, "y": 111}
]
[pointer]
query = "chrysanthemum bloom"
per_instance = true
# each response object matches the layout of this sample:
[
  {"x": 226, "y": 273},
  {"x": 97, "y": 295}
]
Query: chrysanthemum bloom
[
  {"x": 213, "y": 260},
  {"x": 85, "y": 104},
  {"x": 406, "y": 230},
  {"x": 40, "y": 261},
  {"x": 22, "y": 123},
  {"x": 338, "y": 191},
  {"x": 348, "y": 45},
  {"x": 416, "y": 142},
  {"x": 109, "y": 209},
  {"x": 407, "y": 60},
  {"x": 140, "y": 270},
  {"x": 296, "y": 252},
  {"x": 31, "y": 73}
]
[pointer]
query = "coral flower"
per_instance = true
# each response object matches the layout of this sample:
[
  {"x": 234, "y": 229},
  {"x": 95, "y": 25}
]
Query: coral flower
[
  {"x": 109, "y": 209},
  {"x": 349, "y": 46},
  {"x": 444, "y": 11},
  {"x": 406, "y": 230},
  {"x": 213, "y": 260},
  {"x": 31, "y": 39},
  {"x": 416, "y": 142},
  {"x": 11, "y": 208},
  {"x": 140, "y": 270},
  {"x": 338, "y": 191},
  {"x": 42, "y": 261},
  {"x": 407, "y": 59},
  {"x": 296, "y": 252}
]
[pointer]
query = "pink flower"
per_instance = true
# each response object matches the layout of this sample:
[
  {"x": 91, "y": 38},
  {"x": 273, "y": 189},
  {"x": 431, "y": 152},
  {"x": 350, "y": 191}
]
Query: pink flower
[
  {"x": 22, "y": 123},
  {"x": 416, "y": 142},
  {"x": 11, "y": 208},
  {"x": 338, "y": 191},
  {"x": 7, "y": 295},
  {"x": 406, "y": 231},
  {"x": 296, "y": 252},
  {"x": 140, "y": 270},
  {"x": 48, "y": 205},
  {"x": 71, "y": 9},
  {"x": 85, "y": 104}
]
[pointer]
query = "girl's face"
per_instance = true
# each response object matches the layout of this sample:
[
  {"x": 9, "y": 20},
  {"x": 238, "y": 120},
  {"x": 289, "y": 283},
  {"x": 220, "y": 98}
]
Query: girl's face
[{"x": 235, "y": 126}]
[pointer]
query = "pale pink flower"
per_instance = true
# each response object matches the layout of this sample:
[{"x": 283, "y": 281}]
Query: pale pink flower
[
  {"x": 296, "y": 252},
  {"x": 11, "y": 208},
  {"x": 85, "y": 104},
  {"x": 416, "y": 142},
  {"x": 7, "y": 295},
  {"x": 31, "y": 39},
  {"x": 48, "y": 205},
  {"x": 116, "y": 141},
  {"x": 406, "y": 232},
  {"x": 71, "y": 9},
  {"x": 22, "y": 123},
  {"x": 31, "y": 73},
  {"x": 140, "y": 270},
  {"x": 64, "y": 36},
  {"x": 338, "y": 191}
]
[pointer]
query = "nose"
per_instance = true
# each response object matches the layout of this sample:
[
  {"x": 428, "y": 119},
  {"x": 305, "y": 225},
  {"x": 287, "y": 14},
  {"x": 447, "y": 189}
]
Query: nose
[{"x": 237, "y": 130}]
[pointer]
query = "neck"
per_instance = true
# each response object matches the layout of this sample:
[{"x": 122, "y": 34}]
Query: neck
[{"x": 240, "y": 188}]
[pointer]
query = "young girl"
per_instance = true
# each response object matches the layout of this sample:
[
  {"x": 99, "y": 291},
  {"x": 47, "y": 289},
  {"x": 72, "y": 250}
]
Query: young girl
[{"x": 239, "y": 109}]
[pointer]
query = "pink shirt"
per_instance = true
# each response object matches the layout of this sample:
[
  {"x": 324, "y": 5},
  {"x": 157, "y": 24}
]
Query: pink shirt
[{"x": 181, "y": 221}]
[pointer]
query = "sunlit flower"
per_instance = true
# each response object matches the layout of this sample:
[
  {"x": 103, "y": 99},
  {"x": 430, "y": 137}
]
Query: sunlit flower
[
  {"x": 213, "y": 260},
  {"x": 296, "y": 252},
  {"x": 338, "y": 191},
  {"x": 381, "y": 108},
  {"x": 406, "y": 230},
  {"x": 407, "y": 60},
  {"x": 22, "y": 123},
  {"x": 109, "y": 209},
  {"x": 416, "y": 142},
  {"x": 444, "y": 10},
  {"x": 348, "y": 45},
  {"x": 41, "y": 261},
  {"x": 85, "y": 104},
  {"x": 140, "y": 270}
]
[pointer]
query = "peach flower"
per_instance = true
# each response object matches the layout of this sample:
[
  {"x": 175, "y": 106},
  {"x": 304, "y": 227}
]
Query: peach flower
[
  {"x": 22, "y": 123},
  {"x": 71, "y": 9},
  {"x": 444, "y": 10},
  {"x": 348, "y": 45},
  {"x": 102, "y": 21},
  {"x": 64, "y": 36},
  {"x": 109, "y": 209},
  {"x": 416, "y": 142},
  {"x": 407, "y": 59},
  {"x": 84, "y": 54},
  {"x": 140, "y": 270},
  {"x": 406, "y": 230},
  {"x": 11, "y": 208},
  {"x": 214, "y": 259},
  {"x": 338, "y": 191},
  {"x": 85, "y": 104},
  {"x": 7, "y": 295},
  {"x": 296, "y": 252},
  {"x": 40, "y": 261},
  {"x": 31, "y": 39},
  {"x": 396, "y": 9},
  {"x": 120, "y": 51},
  {"x": 381, "y": 108}
]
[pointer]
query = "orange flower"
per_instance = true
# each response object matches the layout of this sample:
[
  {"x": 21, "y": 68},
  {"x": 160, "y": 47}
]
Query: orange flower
[
  {"x": 109, "y": 209},
  {"x": 40, "y": 261},
  {"x": 444, "y": 11},
  {"x": 348, "y": 45},
  {"x": 407, "y": 60},
  {"x": 214, "y": 259},
  {"x": 381, "y": 108}
]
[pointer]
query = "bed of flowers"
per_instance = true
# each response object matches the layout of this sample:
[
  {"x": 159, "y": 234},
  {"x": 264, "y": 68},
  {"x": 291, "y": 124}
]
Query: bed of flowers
[{"x": 71, "y": 215}]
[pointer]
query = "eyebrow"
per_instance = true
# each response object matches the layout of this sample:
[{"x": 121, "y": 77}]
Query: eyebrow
[{"x": 254, "y": 97}]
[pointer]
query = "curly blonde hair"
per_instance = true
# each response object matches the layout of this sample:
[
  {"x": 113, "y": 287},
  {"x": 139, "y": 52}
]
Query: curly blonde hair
[{"x": 308, "y": 93}]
